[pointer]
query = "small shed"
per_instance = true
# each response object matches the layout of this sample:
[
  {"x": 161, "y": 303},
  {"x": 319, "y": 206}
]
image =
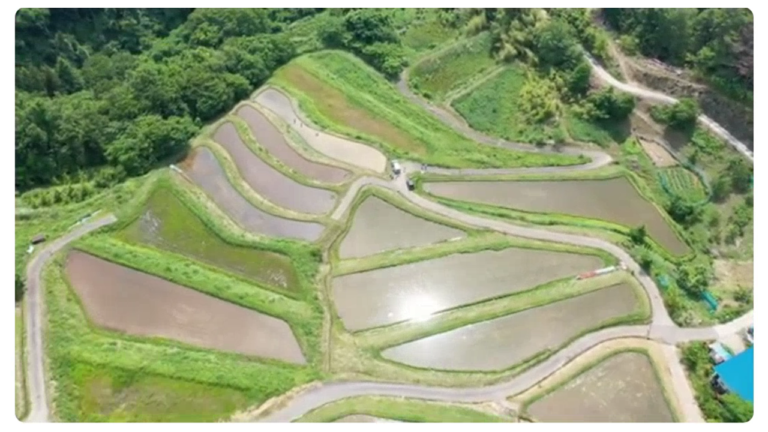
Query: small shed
[
  {"x": 738, "y": 374},
  {"x": 38, "y": 239}
]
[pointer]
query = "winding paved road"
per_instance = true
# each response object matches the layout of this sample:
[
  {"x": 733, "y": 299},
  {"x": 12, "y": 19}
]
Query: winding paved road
[
  {"x": 661, "y": 329},
  {"x": 38, "y": 411}
]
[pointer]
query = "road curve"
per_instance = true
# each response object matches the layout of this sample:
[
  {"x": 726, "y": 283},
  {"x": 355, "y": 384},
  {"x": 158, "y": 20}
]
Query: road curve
[
  {"x": 34, "y": 321},
  {"x": 663, "y": 98},
  {"x": 661, "y": 329}
]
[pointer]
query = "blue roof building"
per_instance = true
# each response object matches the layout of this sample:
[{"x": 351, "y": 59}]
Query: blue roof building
[{"x": 738, "y": 374}]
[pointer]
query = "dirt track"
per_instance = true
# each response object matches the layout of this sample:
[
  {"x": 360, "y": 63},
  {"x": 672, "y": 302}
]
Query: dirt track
[{"x": 126, "y": 300}]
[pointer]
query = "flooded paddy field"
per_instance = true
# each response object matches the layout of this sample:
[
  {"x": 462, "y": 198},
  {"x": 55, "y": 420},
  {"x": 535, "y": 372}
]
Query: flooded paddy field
[
  {"x": 415, "y": 291},
  {"x": 169, "y": 225},
  {"x": 614, "y": 200},
  {"x": 270, "y": 183},
  {"x": 621, "y": 389},
  {"x": 504, "y": 342},
  {"x": 203, "y": 169},
  {"x": 270, "y": 137},
  {"x": 126, "y": 300},
  {"x": 379, "y": 227},
  {"x": 333, "y": 146}
]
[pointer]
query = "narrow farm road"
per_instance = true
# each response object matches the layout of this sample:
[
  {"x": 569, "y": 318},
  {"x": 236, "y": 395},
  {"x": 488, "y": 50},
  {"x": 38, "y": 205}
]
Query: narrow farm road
[
  {"x": 663, "y": 98},
  {"x": 36, "y": 356}
]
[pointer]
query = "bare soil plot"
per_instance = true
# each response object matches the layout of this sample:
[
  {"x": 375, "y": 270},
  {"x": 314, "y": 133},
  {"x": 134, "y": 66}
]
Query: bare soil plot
[
  {"x": 126, "y": 300},
  {"x": 332, "y": 146},
  {"x": 510, "y": 340},
  {"x": 417, "y": 290},
  {"x": 379, "y": 226},
  {"x": 269, "y": 182},
  {"x": 624, "y": 388},
  {"x": 168, "y": 224},
  {"x": 269, "y": 136},
  {"x": 614, "y": 200},
  {"x": 658, "y": 154},
  {"x": 203, "y": 169}
]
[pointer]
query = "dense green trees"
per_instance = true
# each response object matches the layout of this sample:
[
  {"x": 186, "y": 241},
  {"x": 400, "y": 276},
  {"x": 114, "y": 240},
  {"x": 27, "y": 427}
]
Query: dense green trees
[
  {"x": 127, "y": 88},
  {"x": 369, "y": 33},
  {"x": 680, "y": 115},
  {"x": 719, "y": 43}
]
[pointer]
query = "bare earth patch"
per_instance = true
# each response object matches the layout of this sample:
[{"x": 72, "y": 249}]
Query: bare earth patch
[
  {"x": 622, "y": 388},
  {"x": 126, "y": 300},
  {"x": 330, "y": 145},
  {"x": 658, "y": 154},
  {"x": 735, "y": 273},
  {"x": 269, "y": 137},
  {"x": 269, "y": 182},
  {"x": 503, "y": 342},
  {"x": 203, "y": 169},
  {"x": 379, "y": 227},
  {"x": 415, "y": 291}
]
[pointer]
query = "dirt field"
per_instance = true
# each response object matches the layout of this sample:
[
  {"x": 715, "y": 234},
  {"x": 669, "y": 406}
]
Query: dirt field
[
  {"x": 332, "y": 146},
  {"x": 506, "y": 341},
  {"x": 415, "y": 291},
  {"x": 379, "y": 227},
  {"x": 269, "y": 182},
  {"x": 123, "y": 299},
  {"x": 623, "y": 388},
  {"x": 614, "y": 200},
  {"x": 658, "y": 154},
  {"x": 268, "y": 136},
  {"x": 168, "y": 224},
  {"x": 203, "y": 168},
  {"x": 738, "y": 273}
]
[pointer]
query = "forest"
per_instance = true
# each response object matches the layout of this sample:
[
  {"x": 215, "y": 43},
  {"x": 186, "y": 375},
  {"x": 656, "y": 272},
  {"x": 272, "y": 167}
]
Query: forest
[{"x": 103, "y": 94}]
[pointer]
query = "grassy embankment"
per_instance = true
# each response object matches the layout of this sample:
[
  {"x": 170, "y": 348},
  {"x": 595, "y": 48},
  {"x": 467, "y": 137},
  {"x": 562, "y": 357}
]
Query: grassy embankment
[
  {"x": 405, "y": 410},
  {"x": 102, "y": 375},
  {"x": 342, "y": 94}
]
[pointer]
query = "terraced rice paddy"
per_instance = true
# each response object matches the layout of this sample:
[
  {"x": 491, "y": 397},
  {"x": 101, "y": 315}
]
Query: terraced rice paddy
[
  {"x": 622, "y": 389},
  {"x": 379, "y": 226},
  {"x": 123, "y": 299},
  {"x": 270, "y": 183},
  {"x": 333, "y": 146},
  {"x": 614, "y": 200},
  {"x": 203, "y": 169},
  {"x": 168, "y": 224},
  {"x": 415, "y": 291},
  {"x": 270, "y": 137},
  {"x": 504, "y": 342}
]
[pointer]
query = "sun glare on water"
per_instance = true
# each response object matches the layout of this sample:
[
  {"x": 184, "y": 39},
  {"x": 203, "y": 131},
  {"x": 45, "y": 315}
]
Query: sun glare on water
[{"x": 420, "y": 308}]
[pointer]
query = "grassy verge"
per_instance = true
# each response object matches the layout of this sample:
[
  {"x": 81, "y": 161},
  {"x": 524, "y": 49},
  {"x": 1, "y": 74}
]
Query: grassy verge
[
  {"x": 497, "y": 107},
  {"x": 22, "y": 399},
  {"x": 603, "y": 134},
  {"x": 424, "y": 30},
  {"x": 149, "y": 369},
  {"x": 336, "y": 89},
  {"x": 405, "y": 410},
  {"x": 436, "y": 75},
  {"x": 302, "y": 317},
  {"x": 540, "y": 393}
]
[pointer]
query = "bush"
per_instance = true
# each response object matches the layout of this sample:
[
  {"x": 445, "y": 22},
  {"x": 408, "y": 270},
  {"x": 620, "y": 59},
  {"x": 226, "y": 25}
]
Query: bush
[
  {"x": 20, "y": 287},
  {"x": 680, "y": 115}
]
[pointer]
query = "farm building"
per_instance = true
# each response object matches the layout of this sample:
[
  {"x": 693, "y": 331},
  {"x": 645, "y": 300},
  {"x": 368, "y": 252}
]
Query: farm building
[{"x": 737, "y": 374}]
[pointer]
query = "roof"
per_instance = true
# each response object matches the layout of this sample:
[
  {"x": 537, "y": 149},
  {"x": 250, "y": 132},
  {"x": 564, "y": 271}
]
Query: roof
[
  {"x": 720, "y": 350},
  {"x": 738, "y": 374}
]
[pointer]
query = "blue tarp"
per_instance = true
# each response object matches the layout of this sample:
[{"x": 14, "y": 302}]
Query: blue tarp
[
  {"x": 710, "y": 300},
  {"x": 738, "y": 374}
]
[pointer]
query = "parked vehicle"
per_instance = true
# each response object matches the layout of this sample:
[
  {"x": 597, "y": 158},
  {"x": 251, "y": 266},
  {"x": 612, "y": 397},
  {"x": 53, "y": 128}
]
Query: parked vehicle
[{"x": 396, "y": 167}]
